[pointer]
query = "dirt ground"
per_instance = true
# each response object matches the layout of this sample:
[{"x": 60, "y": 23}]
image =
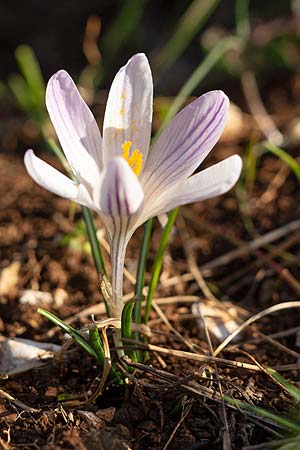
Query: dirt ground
[{"x": 172, "y": 401}]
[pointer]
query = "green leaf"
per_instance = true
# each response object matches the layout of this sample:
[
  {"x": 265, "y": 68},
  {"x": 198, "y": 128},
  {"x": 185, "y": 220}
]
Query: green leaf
[
  {"x": 158, "y": 261},
  {"x": 80, "y": 340},
  {"x": 281, "y": 421},
  {"x": 31, "y": 71},
  {"x": 185, "y": 30},
  {"x": 289, "y": 387},
  {"x": 285, "y": 157}
]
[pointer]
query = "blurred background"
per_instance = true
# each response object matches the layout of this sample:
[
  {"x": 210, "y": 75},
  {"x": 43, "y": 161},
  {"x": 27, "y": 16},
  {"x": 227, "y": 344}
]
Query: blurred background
[{"x": 225, "y": 40}]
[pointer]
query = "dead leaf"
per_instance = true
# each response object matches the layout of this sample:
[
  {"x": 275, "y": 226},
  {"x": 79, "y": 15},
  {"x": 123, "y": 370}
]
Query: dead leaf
[{"x": 20, "y": 355}]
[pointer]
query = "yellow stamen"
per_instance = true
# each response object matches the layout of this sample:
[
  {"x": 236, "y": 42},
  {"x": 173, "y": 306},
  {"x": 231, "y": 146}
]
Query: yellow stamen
[
  {"x": 126, "y": 148},
  {"x": 135, "y": 160}
]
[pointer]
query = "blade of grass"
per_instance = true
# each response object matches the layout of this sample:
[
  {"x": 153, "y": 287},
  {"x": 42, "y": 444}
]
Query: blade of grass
[
  {"x": 281, "y": 421},
  {"x": 158, "y": 261},
  {"x": 242, "y": 19},
  {"x": 97, "y": 343},
  {"x": 197, "y": 76},
  {"x": 19, "y": 88},
  {"x": 141, "y": 270},
  {"x": 123, "y": 25},
  {"x": 92, "y": 235},
  {"x": 80, "y": 340},
  {"x": 126, "y": 326},
  {"x": 284, "y": 156},
  {"x": 98, "y": 346},
  {"x": 187, "y": 28},
  {"x": 31, "y": 71},
  {"x": 292, "y": 390}
]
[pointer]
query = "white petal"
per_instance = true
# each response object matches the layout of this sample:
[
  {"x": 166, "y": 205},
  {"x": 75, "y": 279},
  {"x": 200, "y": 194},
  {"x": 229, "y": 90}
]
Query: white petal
[
  {"x": 75, "y": 126},
  {"x": 211, "y": 182},
  {"x": 54, "y": 181},
  {"x": 128, "y": 114},
  {"x": 120, "y": 193},
  {"x": 186, "y": 141}
]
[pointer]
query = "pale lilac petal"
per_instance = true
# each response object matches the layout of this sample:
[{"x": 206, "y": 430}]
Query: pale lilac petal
[
  {"x": 119, "y": 193},
  {"x": 128, "y": 114},
  {"x": 211, "y": 182},
  {"x": 75, "y": 126},
  {"x": 186, "y": 142},
  {"x": 54, "y": 181}
]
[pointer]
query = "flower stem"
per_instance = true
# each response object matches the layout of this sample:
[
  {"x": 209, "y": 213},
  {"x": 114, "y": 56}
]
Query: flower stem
[{"x": 117, "y": 256}]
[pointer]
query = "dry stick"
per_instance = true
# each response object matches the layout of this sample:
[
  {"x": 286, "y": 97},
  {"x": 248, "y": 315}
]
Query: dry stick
[
  {"x": 278, "y": 344},
  {"x": 283, "y": 272},
  {"x": 264, "y": 370},
  {"x": 250, "y": 247},
  {"x": 191, "y": 260},
  {"x": 252, "y": 319},
  {"x": 16, "y": 402},
  {"x": 182, "y": 419},
  {"x": 277, "y": 251},
  {"x": 194, "y": 356},
  {"x": 273, "y": 187},
  {"x": 258, "y": 110},
  {"x": 170, "y": 326},
  {"x": 190, "y": 386}
]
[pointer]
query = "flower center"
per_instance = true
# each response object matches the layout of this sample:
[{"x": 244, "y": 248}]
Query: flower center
[{"x": 135, "y": 160}]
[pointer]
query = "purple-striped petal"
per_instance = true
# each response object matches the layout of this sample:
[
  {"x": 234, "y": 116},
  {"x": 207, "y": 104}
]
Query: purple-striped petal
[
  {"x": 75, "y": 126},
  {"x": 53, "y": 180},
  {"x": 211, "y": 182},
  {"x": 120, "y": 193},
  {"x": 186, "y": 142},
  {"x": 128, "y": 114}
]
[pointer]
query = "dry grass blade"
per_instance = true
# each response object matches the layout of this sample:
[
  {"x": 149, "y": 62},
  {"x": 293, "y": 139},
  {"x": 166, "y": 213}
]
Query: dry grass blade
[
  {"x": 16, "y": 402},
  {"x": 257, "y": 108},
  {"x": 250, "y": 247},
  {"x": 186, "y": 409},
  {"x": 193, "y": 356},
  {"x": 253, "y": 319}
]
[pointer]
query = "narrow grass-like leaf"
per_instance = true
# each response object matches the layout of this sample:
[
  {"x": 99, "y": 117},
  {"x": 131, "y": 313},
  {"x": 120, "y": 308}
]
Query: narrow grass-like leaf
[
  {"x": 284, "y": 156},
  {"x": 97, "y": 343},
  {"x": 281, "y": 421},
  {"x": 141, "y": 270},
  {"x": 126, "y": 326},
  {"x": 242, "y": 19},
  {"x": 289, "y": 387},
  {"x": 19, "y": 88},
  {"x": 98, "y": 346},
  {"x": 92, "y": 235},
  {"x": 32, "y": 74},
  {"x": 80, "y": 340},
  {"x": 187, "y": 28},
  {"x": 123, "y": 25},
  {"x": 158, "y": 261},
  {"x": 197, "y": 76}
]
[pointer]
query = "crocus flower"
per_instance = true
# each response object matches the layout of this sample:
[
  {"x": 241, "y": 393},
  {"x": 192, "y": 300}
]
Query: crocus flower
[{"x": 117, "y": 176}]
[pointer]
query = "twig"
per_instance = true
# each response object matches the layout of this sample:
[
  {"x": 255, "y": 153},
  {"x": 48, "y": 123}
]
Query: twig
[
  {"x": 257, "y": 108},
  {"x": 250, "y": 247},
  {"x": 254, "y": 318},
  {"x": 16, "y": 402}
]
